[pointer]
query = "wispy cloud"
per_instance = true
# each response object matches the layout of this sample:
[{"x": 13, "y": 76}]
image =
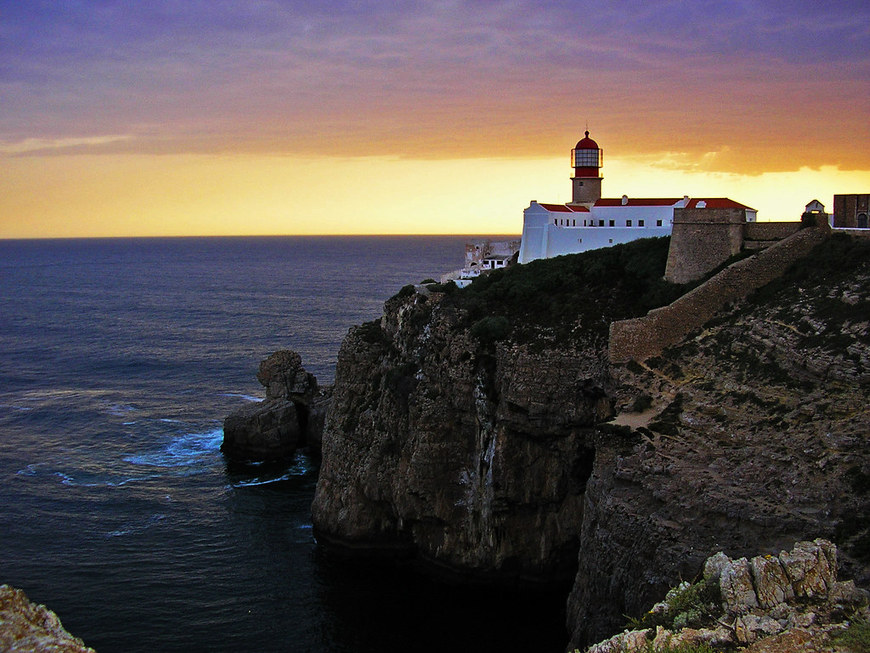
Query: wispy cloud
[{"x": 48, "y": 145}]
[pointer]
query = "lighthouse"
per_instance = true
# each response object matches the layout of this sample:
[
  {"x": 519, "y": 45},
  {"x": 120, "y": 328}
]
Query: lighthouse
[{"x": 586, "y": 159}]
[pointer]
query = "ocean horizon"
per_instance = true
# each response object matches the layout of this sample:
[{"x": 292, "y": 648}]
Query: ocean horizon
[{"x": 119, "y": 359}]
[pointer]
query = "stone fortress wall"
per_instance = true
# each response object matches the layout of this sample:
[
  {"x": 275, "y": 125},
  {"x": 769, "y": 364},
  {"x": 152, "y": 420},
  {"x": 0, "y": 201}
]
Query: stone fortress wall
[
  {"x": 701, "y": 239},
  {"x": 644, "y": 337}
]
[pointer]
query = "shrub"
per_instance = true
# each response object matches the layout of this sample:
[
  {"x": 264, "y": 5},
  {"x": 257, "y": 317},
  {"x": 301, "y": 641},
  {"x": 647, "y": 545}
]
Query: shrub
[
  {"x": 447, "y": 288},
  {"x": 371, "y": 332},
  {"x": 491, "y": 329},
  {"x": 406, "y": 291},
  {"x": 686, "y": 605}
]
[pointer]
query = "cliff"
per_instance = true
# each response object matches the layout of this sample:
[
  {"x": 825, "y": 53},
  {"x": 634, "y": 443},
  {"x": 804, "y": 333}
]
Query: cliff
[{"x": 486, "y": 433}]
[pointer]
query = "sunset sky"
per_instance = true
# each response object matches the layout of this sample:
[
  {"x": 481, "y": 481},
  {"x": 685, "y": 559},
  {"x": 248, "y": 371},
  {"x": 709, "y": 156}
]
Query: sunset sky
[{"x": 200, "y": 117}]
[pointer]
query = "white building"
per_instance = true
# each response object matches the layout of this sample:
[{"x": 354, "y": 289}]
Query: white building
[{"x": 590, "y": 221}]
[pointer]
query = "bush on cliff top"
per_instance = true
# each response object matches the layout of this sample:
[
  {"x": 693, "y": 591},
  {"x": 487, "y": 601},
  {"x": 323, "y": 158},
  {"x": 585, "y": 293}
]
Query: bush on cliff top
[{"x": 592, "y": 289}]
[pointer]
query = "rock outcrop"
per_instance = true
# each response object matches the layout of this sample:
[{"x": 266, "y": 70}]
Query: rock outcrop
[
  {"x": 291, "y": 416},
  {"x": 508, "y": 446},
  {"x": 786, "y": 602},
  {"x": 29, "y": 628}
]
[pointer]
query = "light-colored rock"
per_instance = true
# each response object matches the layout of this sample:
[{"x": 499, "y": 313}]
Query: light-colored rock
[
  {"x": 735, "y": 581},
  {"x": 29, "y": 628},
  {"x": 750, "y": 627},
  {"x": 772, "y": 586},
  {"x": 845, "y": 594},
  {"x": 790, "y": 642},
  {"x": 714, "y": 565},
  {"x": 625, "y": 642},
  {"x": 666, "y": 639},
  {"x": 808, "y": 568}
]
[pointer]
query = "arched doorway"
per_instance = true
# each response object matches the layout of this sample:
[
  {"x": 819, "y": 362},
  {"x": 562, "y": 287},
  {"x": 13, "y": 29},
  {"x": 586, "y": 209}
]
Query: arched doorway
[{"x": 862, "y": 221}]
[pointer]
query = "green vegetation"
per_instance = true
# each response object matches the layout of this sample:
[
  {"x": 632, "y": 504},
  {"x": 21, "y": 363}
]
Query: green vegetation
[
  {"x": 856, "y": 637},
  {"x": 406, "y": 291},
  {"x": 557, "y": 295},
  {"x": 448, "y": 288},
  {"x": 371, "y": 332},
  {"x": 490, "y": 329},
  {"x": 687, "y": 605}
]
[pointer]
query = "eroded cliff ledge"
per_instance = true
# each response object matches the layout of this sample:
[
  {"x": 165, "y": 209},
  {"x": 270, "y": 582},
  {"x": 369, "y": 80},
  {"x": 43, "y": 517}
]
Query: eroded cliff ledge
[{"x": 474, "y": 430}]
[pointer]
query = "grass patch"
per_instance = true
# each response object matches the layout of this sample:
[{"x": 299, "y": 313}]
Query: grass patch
[{"x": 856, "y": 637}]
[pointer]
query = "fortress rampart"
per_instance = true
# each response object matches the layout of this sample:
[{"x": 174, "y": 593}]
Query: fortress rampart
[{"x": 643, "y": 337}]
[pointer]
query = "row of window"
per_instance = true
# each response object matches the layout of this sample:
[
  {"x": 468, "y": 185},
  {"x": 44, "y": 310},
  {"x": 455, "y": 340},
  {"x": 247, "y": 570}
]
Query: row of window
[{"x": 572, "y": 222}]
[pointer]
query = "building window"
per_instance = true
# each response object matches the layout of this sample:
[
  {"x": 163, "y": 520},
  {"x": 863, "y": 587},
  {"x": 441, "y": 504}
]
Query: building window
[
  {"x": 610, "y": 240},
  {"x": 628, "y": 223},
  {"x": 658, "y": 223},
  {"x": 601, "y": 223},
  {"x": 579, "y": 240},
  {"x": 640, "y": 223},
  {"x": 612, "y": 223}
]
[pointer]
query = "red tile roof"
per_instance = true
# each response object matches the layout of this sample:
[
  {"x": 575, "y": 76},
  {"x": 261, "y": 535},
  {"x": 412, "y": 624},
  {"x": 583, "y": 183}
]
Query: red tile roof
[
  {"x": 637, "y": 201},
  {"x": 564, "y": 208},
  {"x": 717, "y": 203},
  {"x": 712, "y": 203}
]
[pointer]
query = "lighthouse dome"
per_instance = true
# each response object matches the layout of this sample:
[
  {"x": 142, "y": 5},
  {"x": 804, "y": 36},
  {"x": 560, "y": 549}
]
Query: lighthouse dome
[{"x": 586, "y": 143}]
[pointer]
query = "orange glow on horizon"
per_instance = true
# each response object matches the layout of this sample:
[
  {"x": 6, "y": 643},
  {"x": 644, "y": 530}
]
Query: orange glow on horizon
[{"x": 193, "y": 195}]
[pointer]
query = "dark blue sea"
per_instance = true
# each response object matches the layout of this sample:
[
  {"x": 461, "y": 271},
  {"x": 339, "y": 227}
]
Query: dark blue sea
[{"x": 119, "y": 360}]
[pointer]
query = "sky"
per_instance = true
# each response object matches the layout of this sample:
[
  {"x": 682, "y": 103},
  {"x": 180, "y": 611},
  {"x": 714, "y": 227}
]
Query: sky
[{"x": 256, "y": 117}]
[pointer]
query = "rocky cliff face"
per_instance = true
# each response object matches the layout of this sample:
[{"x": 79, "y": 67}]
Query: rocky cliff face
[
  {"x": 452, "y": 450},
  {"x": 31, "y": 628},
  {"x": 755, "y": 437},
  {"x": 487, "y": 447}
]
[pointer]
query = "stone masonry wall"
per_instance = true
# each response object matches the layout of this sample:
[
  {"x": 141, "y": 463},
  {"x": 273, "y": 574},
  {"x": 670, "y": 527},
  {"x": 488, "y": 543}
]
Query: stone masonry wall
[
  {"x": 769, "y": 230},
  {"x": 701, "y": 239},
  {"x": 643, "y": 337}
]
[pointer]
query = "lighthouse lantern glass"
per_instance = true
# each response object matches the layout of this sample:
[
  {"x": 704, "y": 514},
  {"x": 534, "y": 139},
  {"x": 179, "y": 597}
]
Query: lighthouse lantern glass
[{"x": 587, "y": 158}]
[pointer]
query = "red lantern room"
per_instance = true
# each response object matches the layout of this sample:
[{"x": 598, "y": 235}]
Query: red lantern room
[{"x": 586, "y": 159}]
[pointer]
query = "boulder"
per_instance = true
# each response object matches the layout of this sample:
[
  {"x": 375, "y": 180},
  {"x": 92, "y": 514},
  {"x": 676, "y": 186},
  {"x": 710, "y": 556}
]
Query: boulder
[
  {"x": 266, "y": 430},
  {"x": 735, "y": 581}
]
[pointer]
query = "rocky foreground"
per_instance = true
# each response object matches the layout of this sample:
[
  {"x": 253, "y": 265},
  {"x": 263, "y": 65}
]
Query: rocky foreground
[
  {"x": 29, "y": 628},
  {"x": 485, "y": 433},
  {"x": 770, "y": 604}
]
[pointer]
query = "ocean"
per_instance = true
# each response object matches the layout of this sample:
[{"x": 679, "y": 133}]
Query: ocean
[{"x": 119, "y": 359}]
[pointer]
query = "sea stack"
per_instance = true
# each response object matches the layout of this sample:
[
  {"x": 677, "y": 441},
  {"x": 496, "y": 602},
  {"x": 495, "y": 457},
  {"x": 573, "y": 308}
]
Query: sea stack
[{"x": 274, "y": 428}]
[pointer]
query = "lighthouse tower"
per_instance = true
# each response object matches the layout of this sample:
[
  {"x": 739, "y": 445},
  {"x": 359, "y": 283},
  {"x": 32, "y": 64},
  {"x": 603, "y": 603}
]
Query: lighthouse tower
[{"x": 586, "y": 159}]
